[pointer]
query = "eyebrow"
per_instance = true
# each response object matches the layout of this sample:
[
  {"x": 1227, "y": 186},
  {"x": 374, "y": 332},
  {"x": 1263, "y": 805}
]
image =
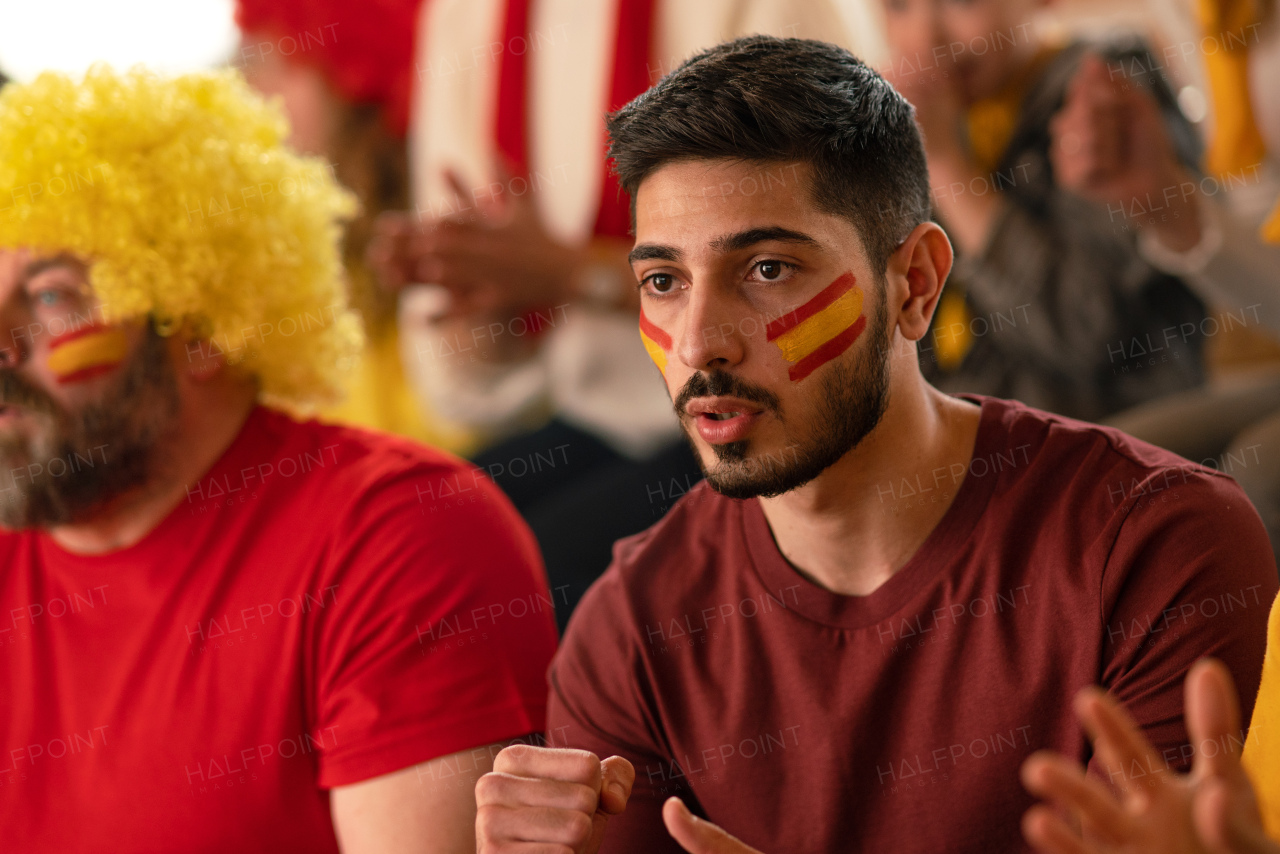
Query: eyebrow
[
  {"x": 62, "y": 259},
  {"x": 735, "y": 242},
  {"x": 654, "y": 252},
  {"x": 745, "y": 239}
]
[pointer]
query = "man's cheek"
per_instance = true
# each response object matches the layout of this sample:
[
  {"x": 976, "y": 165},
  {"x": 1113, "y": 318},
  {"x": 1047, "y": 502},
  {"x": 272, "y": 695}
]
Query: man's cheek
[
  {"x": 821, "y": 329},
  {"x": 88, "y": 352},
  {"x": 656, "y": 342}
]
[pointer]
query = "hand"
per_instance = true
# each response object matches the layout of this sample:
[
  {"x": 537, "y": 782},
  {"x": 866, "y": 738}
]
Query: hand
[
  {"x": 500, "y": 259},
  {"x": 561, "y": 798},
  {"x": 1211, "y": 810},
  {"x": 1109, "y": 144},
  {"x": 392, "y": 252},
  {"x": 696, "y": 835}
]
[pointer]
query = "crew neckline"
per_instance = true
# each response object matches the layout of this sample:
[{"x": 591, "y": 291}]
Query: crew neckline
[{"x": 937, "y": 553}]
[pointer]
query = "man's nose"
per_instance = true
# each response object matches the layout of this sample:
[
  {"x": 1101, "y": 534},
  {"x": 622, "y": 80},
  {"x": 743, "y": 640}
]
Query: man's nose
[{"x": 711, "y": 337}]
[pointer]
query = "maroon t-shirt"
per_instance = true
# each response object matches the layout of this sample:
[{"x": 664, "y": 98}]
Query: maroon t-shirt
[{"x": 803, "y": 720}]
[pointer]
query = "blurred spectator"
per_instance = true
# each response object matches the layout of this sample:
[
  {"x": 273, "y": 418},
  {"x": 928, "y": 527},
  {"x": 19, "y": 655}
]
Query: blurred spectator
[
  {"x": 1090, "y": 241},
  {"x": 1219, "y": 253},
  {"x": 1046, "y": 281},
  {"x": 529, "y": 331},
  {"x": 344, "y": 72}
]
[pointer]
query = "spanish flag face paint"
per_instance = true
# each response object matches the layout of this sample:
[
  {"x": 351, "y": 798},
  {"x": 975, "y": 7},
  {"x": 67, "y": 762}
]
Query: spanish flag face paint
[
  {"x": 821, "y": 329},
  {"x": 656, "y": 342},
  {"x": 86, "y": 353}
]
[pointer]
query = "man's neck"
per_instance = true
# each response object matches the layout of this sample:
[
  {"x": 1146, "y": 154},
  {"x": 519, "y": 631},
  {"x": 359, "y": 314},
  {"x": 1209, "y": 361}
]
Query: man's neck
[
  {"x": 209, "y": 419},
  {"x": 839, "y": 531}
]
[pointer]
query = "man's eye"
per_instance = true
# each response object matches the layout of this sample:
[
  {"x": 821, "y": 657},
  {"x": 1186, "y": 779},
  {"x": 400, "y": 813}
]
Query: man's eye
[
  {"x": 48, "y": 298},
  {"x": 772, "y": 271},
  {"x": 661, "y": 282}
]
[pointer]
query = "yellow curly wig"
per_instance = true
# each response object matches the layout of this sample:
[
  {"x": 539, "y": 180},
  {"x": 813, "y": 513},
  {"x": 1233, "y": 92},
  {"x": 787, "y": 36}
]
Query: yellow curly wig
[{"x": 182, "y": 196}]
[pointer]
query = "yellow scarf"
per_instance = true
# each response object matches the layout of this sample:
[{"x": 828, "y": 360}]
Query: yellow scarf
[{"x": 990, "y": 124}]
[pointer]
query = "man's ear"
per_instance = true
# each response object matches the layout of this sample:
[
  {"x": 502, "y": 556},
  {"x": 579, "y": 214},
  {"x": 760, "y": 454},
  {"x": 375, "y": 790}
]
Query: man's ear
[{"x": 916, "y": 272}]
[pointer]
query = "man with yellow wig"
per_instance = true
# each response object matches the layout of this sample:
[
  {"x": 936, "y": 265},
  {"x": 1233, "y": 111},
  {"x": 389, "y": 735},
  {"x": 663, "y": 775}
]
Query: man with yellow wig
[{"x": 226, "y": 629}]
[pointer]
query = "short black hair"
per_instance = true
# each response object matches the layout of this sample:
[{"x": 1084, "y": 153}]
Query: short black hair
[{"x": 768, "y": 100}]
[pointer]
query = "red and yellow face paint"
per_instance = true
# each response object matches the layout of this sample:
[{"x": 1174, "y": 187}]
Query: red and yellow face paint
[
  {"x": 87, "y": 352},
  {"x": 821, "y": 329},
  {"x": 656, "y": 342}
]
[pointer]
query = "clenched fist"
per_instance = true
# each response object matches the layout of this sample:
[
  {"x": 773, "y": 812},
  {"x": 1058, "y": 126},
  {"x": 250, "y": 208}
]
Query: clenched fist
[{"x": 543, "y": 800}]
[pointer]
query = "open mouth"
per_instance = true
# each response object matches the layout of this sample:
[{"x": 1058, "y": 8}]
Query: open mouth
[{"x": 722, "y": 416}]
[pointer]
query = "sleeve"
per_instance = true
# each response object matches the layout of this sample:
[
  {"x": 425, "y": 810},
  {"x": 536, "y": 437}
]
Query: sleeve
[
  {"x": 1230, "y": 268},
  {"x": 1191, "y": 574},
  {"x": 600, "y": 701},
  {"x": 441, "y": 627}
]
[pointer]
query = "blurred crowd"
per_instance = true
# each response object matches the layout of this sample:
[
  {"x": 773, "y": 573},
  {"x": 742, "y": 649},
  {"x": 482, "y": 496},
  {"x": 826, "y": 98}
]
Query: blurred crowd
[{"x": 1110, "y": 190}]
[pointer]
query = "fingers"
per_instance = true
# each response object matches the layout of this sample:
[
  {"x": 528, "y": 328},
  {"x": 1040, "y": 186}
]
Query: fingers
[
  {"x": 500, "y": 825},
  {"x": 1119, "y": 743},
  {"x": 1048, "y": 833},
  {"x": 1213, "y": 717},
  {"x": 389, "y": 253},
  {"x": 1090, "y": 137},
  {"x": 552, "y": 763},
  {"x": 541, "y": 795},
  {"x": 510, "y": 790},
  {"x": 618, "y": 776},
  {"x": 1225, "y": 824},
  {"x": 1060, "y": 781},
  {"x": 698, "y": 836}
]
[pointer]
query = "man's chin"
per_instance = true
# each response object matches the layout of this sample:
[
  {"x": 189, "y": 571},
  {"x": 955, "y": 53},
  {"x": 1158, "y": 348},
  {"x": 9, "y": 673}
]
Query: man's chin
[{"x": 744, "y": 470}]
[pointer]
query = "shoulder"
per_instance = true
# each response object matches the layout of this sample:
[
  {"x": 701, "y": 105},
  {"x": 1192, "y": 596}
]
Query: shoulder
[
  {"x": 673, "y": 566},
  {"x": 1081, "y": 459},
  {"x": 368, "y": 477},
  {"x": 1108, "y": 487},
  {"x": 356, "y": 460}
]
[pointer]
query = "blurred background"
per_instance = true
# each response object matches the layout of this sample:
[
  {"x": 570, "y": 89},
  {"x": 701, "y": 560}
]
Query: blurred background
[{"x": 488, "y": 260}]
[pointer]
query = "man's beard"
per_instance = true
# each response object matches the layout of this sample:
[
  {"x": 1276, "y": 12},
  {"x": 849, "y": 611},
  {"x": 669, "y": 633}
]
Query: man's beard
[
  {"x": 77, "y": 461},
  {"x": 852, "y": 399}
]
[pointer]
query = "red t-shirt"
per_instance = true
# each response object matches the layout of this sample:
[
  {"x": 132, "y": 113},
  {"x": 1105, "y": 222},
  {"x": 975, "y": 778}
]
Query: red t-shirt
[
  {"x": 328, "y": 605},
  {"x": 803, "y": 720}
]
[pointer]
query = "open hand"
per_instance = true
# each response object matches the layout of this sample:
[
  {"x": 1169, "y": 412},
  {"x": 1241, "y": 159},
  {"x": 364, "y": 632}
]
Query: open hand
[
  {"x": 499, "y": 258},
  {"x": 1210, "y": 811}
]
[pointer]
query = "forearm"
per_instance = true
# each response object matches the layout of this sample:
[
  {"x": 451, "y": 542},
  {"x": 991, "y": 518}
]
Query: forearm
[
  {"x": 428, "y": 808},
  {"x": 1229, "y": 267}
]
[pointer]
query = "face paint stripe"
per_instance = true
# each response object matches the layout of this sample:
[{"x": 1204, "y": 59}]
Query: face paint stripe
[
  {"x": 656, "y": 342},
  {"x": 828, "y": 295},
  {"x": 81, "y": 332},
  {"x": 655, "y": 352},
  {"x": 827, "y": 351},
  {"x": 653, "y": 333},
  {"x": 102, "y": 349},
  {"x": 87, "y": 373},
  {"x": 822, "y": 327}
]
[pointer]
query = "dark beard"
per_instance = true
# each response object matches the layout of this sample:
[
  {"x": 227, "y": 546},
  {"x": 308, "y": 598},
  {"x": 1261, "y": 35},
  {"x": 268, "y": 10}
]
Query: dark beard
[
  {"x": 79, "y": 460},
  {"x": 853, "y": 398}
]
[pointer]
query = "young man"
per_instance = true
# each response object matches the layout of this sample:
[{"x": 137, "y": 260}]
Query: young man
[
  {"x": 885, "y": 597},
  {"x": 540, "y": 255},
  {"x": 225, "y": 629}
]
